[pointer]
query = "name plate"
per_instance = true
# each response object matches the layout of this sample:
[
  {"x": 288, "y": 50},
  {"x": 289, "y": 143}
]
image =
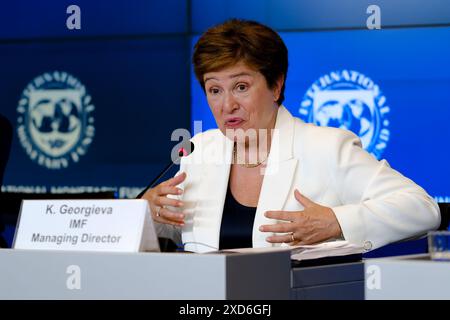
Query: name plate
[{"x": 86, "y": 225}]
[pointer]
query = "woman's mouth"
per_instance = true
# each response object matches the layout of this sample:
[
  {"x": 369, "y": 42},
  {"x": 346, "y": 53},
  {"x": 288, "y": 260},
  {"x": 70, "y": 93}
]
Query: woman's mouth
[{"x": 233, "y": 122}]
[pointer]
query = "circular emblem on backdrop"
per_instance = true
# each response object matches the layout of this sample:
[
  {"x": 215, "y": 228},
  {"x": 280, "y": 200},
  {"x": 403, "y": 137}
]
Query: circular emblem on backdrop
[
  {"x": 349, "y": 100},
  {"x": 55, "y": 124}
]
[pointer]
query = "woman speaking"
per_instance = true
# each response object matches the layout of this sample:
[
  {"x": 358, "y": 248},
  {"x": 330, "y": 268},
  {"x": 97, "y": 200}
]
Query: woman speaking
[{"x": 264, "y": 177}]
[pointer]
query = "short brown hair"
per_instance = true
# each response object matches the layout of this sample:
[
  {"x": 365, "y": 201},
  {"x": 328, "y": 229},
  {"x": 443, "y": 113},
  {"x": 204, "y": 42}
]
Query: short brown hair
[{"x": 237, "y": 40}]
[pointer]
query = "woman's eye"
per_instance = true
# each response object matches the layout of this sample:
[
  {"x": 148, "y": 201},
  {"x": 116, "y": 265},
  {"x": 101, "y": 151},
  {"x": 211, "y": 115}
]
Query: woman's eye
[
  {"x": 241, "y": 87},
  {"x": 214, "y": 91}
]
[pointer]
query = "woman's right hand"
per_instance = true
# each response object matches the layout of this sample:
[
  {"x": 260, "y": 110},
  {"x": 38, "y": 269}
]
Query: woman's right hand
[{"x": 157, "y": 198}]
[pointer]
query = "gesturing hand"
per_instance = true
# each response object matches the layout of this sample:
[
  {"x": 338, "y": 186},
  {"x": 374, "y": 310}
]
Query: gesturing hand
[
  {"x": 314, "y": 224},
  {"x": 157, "y": 198}
]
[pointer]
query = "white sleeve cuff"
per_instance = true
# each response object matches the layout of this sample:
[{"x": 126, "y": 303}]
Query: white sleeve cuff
[{"x": 351, "y": 223}]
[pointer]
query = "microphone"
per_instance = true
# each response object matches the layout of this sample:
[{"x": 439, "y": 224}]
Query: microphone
[{"x": 184, "y": 151}]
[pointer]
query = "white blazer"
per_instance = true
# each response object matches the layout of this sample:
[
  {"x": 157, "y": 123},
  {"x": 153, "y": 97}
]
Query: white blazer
[{"x": 374, "y": 204}]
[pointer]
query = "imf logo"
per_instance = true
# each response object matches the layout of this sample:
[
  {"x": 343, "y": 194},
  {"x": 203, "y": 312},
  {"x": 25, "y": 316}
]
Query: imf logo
[
  {"x": 349, "y": 100},
  {"x": 55, "y": 125}
]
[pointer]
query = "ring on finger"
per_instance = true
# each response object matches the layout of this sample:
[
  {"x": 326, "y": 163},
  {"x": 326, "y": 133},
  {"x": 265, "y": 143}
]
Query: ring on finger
[
  {"x": 157, "y": 212},
  {"x": 292, "y": 237}
]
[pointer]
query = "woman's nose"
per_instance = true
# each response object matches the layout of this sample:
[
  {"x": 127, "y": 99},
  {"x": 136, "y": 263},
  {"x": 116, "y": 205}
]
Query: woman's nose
[{"x": 229, "y": 103}]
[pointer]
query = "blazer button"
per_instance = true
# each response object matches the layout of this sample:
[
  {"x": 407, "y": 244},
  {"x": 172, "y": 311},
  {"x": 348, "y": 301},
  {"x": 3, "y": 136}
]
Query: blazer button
[{"x": 367, "y": 245}]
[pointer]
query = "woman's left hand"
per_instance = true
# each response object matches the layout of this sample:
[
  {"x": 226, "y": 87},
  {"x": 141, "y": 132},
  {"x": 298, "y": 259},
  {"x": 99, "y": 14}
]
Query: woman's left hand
[{"x": 314, "y": 224}]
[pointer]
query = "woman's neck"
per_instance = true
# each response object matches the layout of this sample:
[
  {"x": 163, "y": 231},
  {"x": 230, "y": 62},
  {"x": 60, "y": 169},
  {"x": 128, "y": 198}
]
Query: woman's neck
[{"x": 256, "y": 148}]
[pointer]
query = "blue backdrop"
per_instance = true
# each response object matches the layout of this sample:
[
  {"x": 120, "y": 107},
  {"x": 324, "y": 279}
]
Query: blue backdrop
[
  {"x": 410, "y": 66},
  {"x": 133, "y": 60}
]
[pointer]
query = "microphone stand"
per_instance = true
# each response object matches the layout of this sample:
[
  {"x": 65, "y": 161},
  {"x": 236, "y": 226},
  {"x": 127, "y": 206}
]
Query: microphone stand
[
  {"x": 152, "y": 184},
  {"x": 181, "y": 153}
]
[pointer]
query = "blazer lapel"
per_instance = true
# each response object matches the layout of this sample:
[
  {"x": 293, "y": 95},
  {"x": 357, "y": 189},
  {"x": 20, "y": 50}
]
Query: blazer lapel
[
  {"x": 211, "y": 194},
  {"x": 209, "y": 188},
  {"x": 278, "y": 177}
]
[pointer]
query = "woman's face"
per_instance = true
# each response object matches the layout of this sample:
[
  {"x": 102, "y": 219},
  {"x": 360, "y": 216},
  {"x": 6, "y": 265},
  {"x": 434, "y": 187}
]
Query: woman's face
[{"x": 239, "y": 98}]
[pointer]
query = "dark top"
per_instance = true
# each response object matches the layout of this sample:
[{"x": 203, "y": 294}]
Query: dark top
[{"x": 237, "y": 224}]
